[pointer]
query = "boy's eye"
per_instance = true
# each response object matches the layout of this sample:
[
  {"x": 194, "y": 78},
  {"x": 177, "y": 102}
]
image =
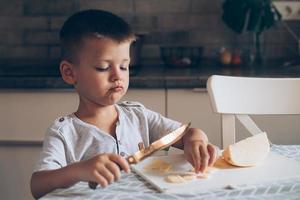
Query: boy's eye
[
  {"x": 124, "y": 67},
  {"x": 102, "y": 69}
]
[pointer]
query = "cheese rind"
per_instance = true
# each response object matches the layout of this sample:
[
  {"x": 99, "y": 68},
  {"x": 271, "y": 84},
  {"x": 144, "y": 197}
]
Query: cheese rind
[{"x": 248, "y": 152}]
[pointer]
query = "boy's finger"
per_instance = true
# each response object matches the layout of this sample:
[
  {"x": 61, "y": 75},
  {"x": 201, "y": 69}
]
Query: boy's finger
[
  {"x": 123, "y": 164},
  {"x": 99, "y": 179},
  {"x": 196, "y": 158},
  {"x": 106, "y": 174},
  {"x": 114, "y": 169},
  {"x": 212, "y": 154},
  {"x": 204, "y": 157}
]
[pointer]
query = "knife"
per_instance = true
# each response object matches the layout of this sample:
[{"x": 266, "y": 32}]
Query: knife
[{"x": 157, "y": 145}]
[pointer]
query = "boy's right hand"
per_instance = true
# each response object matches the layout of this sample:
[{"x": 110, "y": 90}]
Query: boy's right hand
[{"x": 103, "y": 169}]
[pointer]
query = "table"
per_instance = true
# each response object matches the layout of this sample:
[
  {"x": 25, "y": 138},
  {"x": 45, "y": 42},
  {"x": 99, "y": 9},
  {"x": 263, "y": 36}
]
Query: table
[{"x": 131, "y": 186}]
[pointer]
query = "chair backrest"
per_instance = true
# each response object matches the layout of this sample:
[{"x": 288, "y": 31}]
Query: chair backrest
[{"x": 242, "y": 96}]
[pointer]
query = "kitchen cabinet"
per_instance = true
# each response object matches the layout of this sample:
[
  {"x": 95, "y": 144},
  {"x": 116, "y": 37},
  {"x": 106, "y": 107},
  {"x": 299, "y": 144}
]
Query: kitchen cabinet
[
  {"x": 192, "y": 105},
  {"x": 283, "y": 129},
  {"x": 17, "y": 164},
  {"x": 280, "y": 129},
  {"x": 25, "y": 115}
]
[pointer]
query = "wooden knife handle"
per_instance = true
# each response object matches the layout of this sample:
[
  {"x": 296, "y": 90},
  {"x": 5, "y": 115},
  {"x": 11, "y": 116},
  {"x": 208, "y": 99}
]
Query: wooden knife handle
[{"x": 93, "y": 185}]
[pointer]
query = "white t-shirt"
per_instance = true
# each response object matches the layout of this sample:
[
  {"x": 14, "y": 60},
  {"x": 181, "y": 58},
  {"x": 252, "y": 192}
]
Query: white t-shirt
[{"x": 70, "y": 140}]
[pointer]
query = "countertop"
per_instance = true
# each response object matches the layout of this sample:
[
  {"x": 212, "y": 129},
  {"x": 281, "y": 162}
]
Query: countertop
[{"x": 32, "y": 76}]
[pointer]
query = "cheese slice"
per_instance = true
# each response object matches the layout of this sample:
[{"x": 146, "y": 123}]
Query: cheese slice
[
  {"x": 174, "y": 179},
  {"x": 248, "y": 152},
  {"x": 159, "y": 166}
]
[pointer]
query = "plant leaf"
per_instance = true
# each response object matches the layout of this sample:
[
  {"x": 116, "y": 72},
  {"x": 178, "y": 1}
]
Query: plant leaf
[
  {"x": 234, "y": 14},
  {"x": 251, "y": 15}
]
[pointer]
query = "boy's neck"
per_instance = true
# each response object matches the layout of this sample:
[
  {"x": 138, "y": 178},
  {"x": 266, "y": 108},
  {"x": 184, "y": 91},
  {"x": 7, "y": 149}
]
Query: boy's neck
[
  {"x": 84, "y": 111},
  {"x": 104, "y": 117}
]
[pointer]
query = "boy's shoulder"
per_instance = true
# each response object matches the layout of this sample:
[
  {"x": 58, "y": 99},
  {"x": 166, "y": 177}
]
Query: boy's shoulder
[{"x": 61, "y": 122}]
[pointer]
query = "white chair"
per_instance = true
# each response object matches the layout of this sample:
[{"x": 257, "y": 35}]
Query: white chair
[{"x": 242, "y": 96}]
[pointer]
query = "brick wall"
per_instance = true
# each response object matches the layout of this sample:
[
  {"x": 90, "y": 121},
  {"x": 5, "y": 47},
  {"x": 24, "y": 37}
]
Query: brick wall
[{"x": 29, "y": 28}]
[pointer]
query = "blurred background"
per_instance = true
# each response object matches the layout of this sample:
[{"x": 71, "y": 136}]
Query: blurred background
[
  {"x": 181, "y": 43},
  {"x": 29, "y": 28}
]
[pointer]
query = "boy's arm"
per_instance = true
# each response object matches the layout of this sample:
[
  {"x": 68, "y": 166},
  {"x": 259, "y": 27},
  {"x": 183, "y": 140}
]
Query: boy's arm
[
  {"x": 103, "y": 169},
  {"x": 43, "y": 182}
]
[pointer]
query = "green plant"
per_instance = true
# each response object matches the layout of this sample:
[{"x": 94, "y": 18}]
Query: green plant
[{"x": 250, "y": 15}]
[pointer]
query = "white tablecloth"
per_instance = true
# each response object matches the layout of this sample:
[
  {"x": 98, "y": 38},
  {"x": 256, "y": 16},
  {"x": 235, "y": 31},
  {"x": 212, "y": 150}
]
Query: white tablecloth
[{"x": 131, "y": 186}]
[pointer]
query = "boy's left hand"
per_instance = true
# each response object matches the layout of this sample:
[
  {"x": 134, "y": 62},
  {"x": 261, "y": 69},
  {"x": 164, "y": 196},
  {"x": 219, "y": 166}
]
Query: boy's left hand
[{"x": 200, "y": 153}]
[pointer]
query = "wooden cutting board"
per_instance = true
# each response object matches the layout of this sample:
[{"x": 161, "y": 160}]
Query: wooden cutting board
[{"x": 275, "y": 167}]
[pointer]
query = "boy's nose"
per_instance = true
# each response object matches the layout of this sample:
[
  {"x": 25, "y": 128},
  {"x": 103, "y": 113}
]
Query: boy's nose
[{"x": 116, "y": 74}]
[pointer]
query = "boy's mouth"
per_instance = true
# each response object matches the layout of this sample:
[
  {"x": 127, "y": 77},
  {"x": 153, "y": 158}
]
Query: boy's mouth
[{"x": 118, "y": 88}]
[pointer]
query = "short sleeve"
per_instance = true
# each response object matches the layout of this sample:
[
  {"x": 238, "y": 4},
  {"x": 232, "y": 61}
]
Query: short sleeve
[
  {"x": 53, "y": 153},
  {"x": 159, "y": 125}
]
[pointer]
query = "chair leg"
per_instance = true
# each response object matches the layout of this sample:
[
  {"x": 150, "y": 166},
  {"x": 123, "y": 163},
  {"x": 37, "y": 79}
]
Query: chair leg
[{"x": 228, "y": 130}]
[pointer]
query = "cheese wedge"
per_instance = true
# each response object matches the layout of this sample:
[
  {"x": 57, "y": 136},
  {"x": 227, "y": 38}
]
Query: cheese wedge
[{"x": 248, "y": 152}]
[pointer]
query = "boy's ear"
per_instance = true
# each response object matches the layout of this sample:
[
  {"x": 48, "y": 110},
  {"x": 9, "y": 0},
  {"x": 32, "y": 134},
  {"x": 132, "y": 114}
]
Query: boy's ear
[{"x": 67, "y": 72}]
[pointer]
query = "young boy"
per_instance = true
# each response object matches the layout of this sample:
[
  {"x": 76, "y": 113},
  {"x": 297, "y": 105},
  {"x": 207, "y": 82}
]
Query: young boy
[{"x": 92, "y": 143}]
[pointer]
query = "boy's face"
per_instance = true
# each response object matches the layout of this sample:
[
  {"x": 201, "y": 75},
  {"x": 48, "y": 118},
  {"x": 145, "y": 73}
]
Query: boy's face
[{"x": 102, "y": 73}]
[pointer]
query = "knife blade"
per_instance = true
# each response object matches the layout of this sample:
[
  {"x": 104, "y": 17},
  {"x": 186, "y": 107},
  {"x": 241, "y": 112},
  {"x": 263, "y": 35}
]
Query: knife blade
[{"x": 157, "y": 145}]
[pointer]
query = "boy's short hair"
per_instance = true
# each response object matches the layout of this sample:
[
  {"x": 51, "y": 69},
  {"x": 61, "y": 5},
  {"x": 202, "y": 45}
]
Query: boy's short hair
[{"x": 92, "y": 23}]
